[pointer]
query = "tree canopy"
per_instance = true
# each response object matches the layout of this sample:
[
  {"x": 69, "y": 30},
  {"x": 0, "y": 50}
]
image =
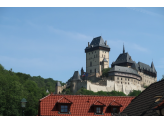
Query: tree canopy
[
  {"x": 134, "y": 93},
  {"x": 15, "y": 86}
]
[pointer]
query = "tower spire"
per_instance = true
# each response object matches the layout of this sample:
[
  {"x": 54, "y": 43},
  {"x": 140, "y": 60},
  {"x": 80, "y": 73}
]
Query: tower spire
[{"x": 123, "y": 49}]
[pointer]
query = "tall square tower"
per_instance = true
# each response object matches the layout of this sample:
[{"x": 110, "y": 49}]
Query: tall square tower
[{"x": 97, "y": 56}]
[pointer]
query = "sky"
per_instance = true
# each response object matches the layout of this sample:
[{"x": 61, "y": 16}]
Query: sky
[{"x": 50, "y": 42}]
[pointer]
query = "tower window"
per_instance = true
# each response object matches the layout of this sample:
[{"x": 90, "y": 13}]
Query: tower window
[{"x": 90, "y": 63}]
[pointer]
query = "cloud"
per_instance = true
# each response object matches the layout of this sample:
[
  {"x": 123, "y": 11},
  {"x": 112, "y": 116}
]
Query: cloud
[
  {"x": 147, "y": 12},
  {"x": 74, "y": 35}
]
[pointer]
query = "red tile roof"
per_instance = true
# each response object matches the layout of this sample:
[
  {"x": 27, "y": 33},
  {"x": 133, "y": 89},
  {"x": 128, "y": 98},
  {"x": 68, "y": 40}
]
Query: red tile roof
[
  {"x": 81, "y": 104},
  {"x": 114, "y": 103}
]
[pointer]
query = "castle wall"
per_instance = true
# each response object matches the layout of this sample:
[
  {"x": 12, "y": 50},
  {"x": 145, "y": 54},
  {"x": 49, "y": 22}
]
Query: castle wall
[{"x": 146, "y": 79}]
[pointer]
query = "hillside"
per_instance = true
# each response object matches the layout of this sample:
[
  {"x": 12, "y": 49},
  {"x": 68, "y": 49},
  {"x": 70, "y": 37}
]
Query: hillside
[{"x": 15, "y": 86}]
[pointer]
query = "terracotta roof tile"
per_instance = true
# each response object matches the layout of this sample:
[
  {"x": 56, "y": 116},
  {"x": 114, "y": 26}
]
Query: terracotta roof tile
[
  {"x": 114, "y": 103},
  {"x": 81, "y": 104}
]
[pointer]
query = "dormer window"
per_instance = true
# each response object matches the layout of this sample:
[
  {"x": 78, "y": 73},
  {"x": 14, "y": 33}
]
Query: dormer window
[
  {"x": 115, "y": 110},
  {"x": 64, "y": 109},
  {"x": 98, "y": 110}
]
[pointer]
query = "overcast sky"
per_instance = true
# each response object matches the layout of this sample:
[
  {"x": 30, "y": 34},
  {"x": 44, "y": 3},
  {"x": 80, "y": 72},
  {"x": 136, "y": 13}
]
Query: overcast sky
[{"x": 50, "y": 42}]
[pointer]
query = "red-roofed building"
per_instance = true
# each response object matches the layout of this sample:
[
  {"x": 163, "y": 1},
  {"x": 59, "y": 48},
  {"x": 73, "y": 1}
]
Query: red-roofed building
[{"x": 82, "y": 105}]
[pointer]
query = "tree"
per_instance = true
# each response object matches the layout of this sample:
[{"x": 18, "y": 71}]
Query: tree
[
  {"x": 105, "y": 72},
  {"x": 134, "y": 93}
]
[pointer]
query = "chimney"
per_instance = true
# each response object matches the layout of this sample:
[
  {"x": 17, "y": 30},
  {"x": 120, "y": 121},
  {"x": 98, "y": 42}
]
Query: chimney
[
  {"x": 88, "y": 44},
  {"x": 106, "y": 42}
]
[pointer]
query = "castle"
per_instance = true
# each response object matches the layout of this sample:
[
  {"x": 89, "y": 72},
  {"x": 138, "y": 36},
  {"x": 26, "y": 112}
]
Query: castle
[{"x": 125, "y": 74}]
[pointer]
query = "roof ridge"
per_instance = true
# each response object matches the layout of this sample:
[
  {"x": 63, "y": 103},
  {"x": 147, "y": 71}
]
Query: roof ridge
[{"x": 44, "y": 97}]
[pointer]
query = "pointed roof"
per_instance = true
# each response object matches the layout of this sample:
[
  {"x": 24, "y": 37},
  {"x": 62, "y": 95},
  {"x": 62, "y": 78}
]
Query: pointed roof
[
  {"x": 47, "y": 91},
  {"x": 104, "y": 60},
  {"x": 76, "y": 76},
  {"x": 63, "y": 100},
  {"x": 98, "y": 41},
  {"x": 123, "y": 49},
  {"x": 123, "y": 58},
  {"x": 152, "y": 66},
  {"x": 98, "y": 103},
  {"x": 58, "y": 84},
  {"x": 114, "y": 103},
  {"x": 143, "y": 66},
  {"x": 82, "y": 68}
]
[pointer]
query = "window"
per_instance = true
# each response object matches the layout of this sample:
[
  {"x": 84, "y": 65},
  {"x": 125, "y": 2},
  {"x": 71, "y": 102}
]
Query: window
[
  {"x": 64, "y": 108},
  {"x": 115, "y": 110},
  {"x": 102, "y": 55},
  {"x": 121, "y": 78},
  {"x": 98, "y": 110},
  {"x": 128, "y": 79},
  {"x": 90, "y": 64},
  {"x": 90, "y": 71},
  {"x": 94, "y": 56},
  {"x": 117, "y": 78}
]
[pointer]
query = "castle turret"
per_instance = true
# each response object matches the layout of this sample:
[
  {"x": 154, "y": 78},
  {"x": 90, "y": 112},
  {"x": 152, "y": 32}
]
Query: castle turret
[
  {"x": 58, "y": 88},
  {"x": 75, "y": 79},
  {"x": 123, "y": 49}
]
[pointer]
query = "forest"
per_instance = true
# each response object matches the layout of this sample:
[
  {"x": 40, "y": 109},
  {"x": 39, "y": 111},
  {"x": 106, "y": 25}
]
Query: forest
[{"x": 16, "y": 86}]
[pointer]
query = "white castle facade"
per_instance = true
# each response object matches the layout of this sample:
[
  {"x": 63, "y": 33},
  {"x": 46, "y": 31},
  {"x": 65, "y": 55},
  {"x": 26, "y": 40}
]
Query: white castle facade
[{"x": 125, "y": 74}]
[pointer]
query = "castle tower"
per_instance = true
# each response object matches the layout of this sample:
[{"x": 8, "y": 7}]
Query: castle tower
[
  {"x": 74, "y": 82},
  {"x": 97, "y": 56},
  {"x": 58, "y": 88}
]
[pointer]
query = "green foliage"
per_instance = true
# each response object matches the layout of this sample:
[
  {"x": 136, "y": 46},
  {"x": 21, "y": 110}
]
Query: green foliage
[
  {"x": 145, "y": 86},
  {"x": 66, "y": 91},
  {"x": 83, "y": 91},
  {"x": 134, "y": 93},
  {"x": 15, "y": 86},
  {"x": 105, "y": 72}
]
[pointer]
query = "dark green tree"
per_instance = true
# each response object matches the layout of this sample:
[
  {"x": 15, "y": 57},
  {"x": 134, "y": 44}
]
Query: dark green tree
[
  {"x": 105, "y": 72},
  {"x": 134, "y": 93}
]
